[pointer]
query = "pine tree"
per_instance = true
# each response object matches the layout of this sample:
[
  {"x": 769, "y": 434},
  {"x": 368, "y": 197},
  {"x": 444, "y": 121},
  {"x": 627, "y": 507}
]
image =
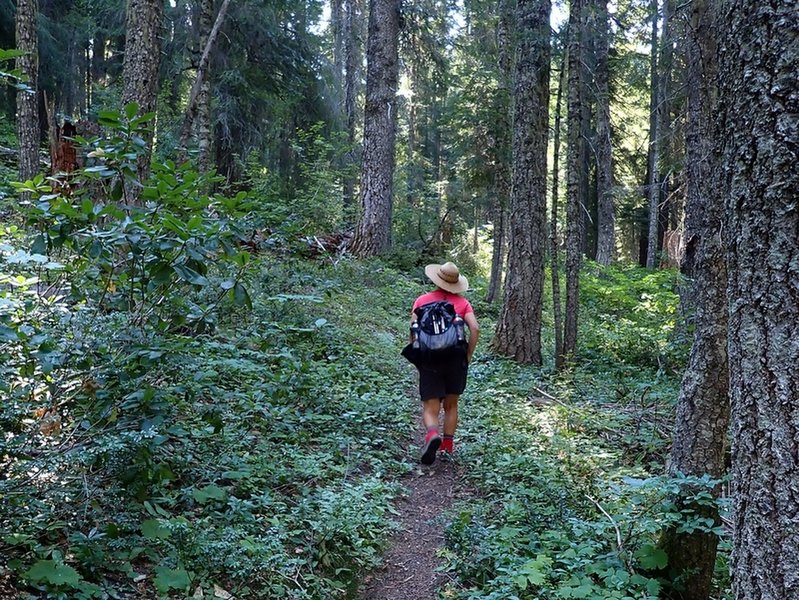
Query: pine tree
[
  {"x": 700, "y": 431},
  {"x": 758, "y": 92},
  {"x": 575, "y": 192},
  {"x": 27, "y": 99},
  {"x": 142, "y": 60},
  {"x": 373, "y": 232},
  {"x": 606, "y": 218},
  {"x": 519, "y": 327}
]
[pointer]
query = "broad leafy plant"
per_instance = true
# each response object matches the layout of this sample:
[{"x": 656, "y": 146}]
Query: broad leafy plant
[{"x": 140, "y": 247}]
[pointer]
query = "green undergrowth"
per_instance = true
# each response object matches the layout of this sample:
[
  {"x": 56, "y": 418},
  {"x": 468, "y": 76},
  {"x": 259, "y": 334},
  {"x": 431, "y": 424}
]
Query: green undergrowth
[
  {"x": 569, "y": 467},
  {"x": 188, "y": 411},
  {"x": 260, "y": 458}
]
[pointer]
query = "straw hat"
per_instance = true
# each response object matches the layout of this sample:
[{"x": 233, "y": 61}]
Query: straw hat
[{"x": 447, "y": 277}]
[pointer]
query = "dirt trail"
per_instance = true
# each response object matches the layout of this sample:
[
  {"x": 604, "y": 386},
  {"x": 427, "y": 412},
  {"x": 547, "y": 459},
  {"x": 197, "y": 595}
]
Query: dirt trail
[{"x": 410, "y": 562}]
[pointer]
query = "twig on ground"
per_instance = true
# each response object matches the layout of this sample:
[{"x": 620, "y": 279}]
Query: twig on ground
[
  {"x": 550, "y": 397},
  {"x": 619, "y": 543}
]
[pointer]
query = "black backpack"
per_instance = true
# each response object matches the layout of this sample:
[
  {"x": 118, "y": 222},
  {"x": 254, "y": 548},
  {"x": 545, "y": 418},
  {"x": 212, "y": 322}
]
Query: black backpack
[{"x": 438, "y": 334}]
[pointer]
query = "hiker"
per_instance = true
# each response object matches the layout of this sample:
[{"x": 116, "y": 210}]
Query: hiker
[{"x": 444, "y": 380}]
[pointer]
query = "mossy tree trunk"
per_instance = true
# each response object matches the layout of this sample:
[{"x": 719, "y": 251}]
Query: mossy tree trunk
[
  {"x": 141, "y": 64},
  {"x": 557, "y": 313},
  {"x": 606, "y": 214},
  {"x": 653, "y": 156}
]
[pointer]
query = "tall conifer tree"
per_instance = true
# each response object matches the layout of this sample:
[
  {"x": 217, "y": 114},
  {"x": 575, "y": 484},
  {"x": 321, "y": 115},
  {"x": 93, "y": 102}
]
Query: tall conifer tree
[
  {"x": 373, "y": 232},
  {"x": 758, "y": 107},
  {"x": 519, "y": 328},
  {"x": 27, "y": 99}
]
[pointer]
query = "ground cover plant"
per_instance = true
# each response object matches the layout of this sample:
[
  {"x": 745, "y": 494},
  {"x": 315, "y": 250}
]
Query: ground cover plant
[
  {"x": 184, "y": 410},
  {"x": 259, "y": 458}
]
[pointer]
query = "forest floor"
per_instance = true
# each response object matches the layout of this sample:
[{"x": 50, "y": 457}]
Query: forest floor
[
  {"x": 411, "y": 568},
  {"x": 285, "y": 464}
]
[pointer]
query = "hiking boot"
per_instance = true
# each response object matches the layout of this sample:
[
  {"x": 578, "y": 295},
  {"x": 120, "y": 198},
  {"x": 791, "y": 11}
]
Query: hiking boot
[{"x": 431, "y": 443}]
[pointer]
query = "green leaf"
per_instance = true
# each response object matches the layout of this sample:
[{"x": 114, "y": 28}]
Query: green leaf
[
  {"x": 153, "y": 530},
  {"x": 190, "y": 275},
  {"x": 242, "y": 258},
  {"x": 7, "y": 334},
  {"x": 54, "y": 573},
  {"x": 652, "y": 557},
  {"x": 131, "y": 108},
  {"x": 209, "y": 492},
  {"x": 39, "y": 245},
  {"x": 653, "y": 588},
  {"x": 241, "y": 296},
  {"x": 167, "y": 579}
]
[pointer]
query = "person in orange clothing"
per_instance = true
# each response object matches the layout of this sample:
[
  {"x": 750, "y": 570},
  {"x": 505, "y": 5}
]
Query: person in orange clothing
[{"x": 443, "y": 383}]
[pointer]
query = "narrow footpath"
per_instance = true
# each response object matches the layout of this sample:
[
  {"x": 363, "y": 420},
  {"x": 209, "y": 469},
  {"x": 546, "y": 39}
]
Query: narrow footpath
[{"x": 410, "y": 563}]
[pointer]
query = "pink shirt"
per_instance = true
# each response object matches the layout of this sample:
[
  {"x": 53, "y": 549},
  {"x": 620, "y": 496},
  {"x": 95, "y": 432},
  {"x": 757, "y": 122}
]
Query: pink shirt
[{"x": 461, "y": 304}]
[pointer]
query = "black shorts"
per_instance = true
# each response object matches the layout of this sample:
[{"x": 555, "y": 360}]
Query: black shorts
[{"x": 442, "y": 380}]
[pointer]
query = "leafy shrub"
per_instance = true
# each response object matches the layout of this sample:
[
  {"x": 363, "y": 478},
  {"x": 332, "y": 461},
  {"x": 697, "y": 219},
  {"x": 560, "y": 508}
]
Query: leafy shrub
[{"x": 631, "y": 316}]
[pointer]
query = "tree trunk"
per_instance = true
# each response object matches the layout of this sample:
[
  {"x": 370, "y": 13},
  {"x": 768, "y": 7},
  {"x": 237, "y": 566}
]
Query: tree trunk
[
  {"x": 700, "y": 432},
  {"x": 141, "y": 64},
  {"x": 653, "y": 157},
  {"x": 337, "y": 27},
  {"x": 502, "y": 175},
  {"x": 557, "y": 315},
  {"x": 574, "y": 195},
  {"x": 606, "y": 217},
  {"x": 518, "y": 331},
  {"x": 351, "y": 77},
  {"x": 203, "y": 122},
  {"x": 373, "y": 232},
  {"x": 198, "y": 106},
  {"x": 759, "y": 104},
  {"x": 664, "y": 128},
  {"x": 28, "y": 100}
]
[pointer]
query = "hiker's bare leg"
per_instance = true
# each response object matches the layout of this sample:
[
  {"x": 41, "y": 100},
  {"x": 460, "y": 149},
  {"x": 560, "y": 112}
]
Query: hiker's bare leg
[
  {"x": 430, "y": 410},
  {"x": 450, "y": 414}
]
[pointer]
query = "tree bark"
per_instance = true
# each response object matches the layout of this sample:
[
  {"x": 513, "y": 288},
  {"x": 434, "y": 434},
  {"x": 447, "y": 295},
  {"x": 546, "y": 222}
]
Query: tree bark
[
  {"x": 352, "y": 59},
  {"x": 502, "y": 174},
  {"x": 337, "y": 27},
  {"x": 142, "y": 62},
  {"x": 518, "y": 331},
  {"x": 373, "y": 232},
  {"x": 606, "y": 214},
  {"x": 557, "y": 314},
  {"x": 700, "y": 432},
  {"x": 759, "y": 104},
  {"x": 653, "y": 157},
  {"x": 27, "y": 40},
  {"x": 574, "y": 192},
  {"x": 198, "y": 106}
]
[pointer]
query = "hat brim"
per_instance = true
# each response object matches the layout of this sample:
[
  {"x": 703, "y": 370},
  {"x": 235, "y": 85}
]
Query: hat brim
[{"x": 456, "y": 288}]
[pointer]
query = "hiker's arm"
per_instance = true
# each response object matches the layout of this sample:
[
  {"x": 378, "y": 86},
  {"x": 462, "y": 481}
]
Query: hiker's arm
[
  {"x": 410, "y": 333},
  {"x": 474, "y": 334}
]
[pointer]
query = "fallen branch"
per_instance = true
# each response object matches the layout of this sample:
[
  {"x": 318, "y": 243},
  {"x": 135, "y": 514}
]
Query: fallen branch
[
  {"x": 619, "y": 543},
  {"x": 555, "y": 400}
]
